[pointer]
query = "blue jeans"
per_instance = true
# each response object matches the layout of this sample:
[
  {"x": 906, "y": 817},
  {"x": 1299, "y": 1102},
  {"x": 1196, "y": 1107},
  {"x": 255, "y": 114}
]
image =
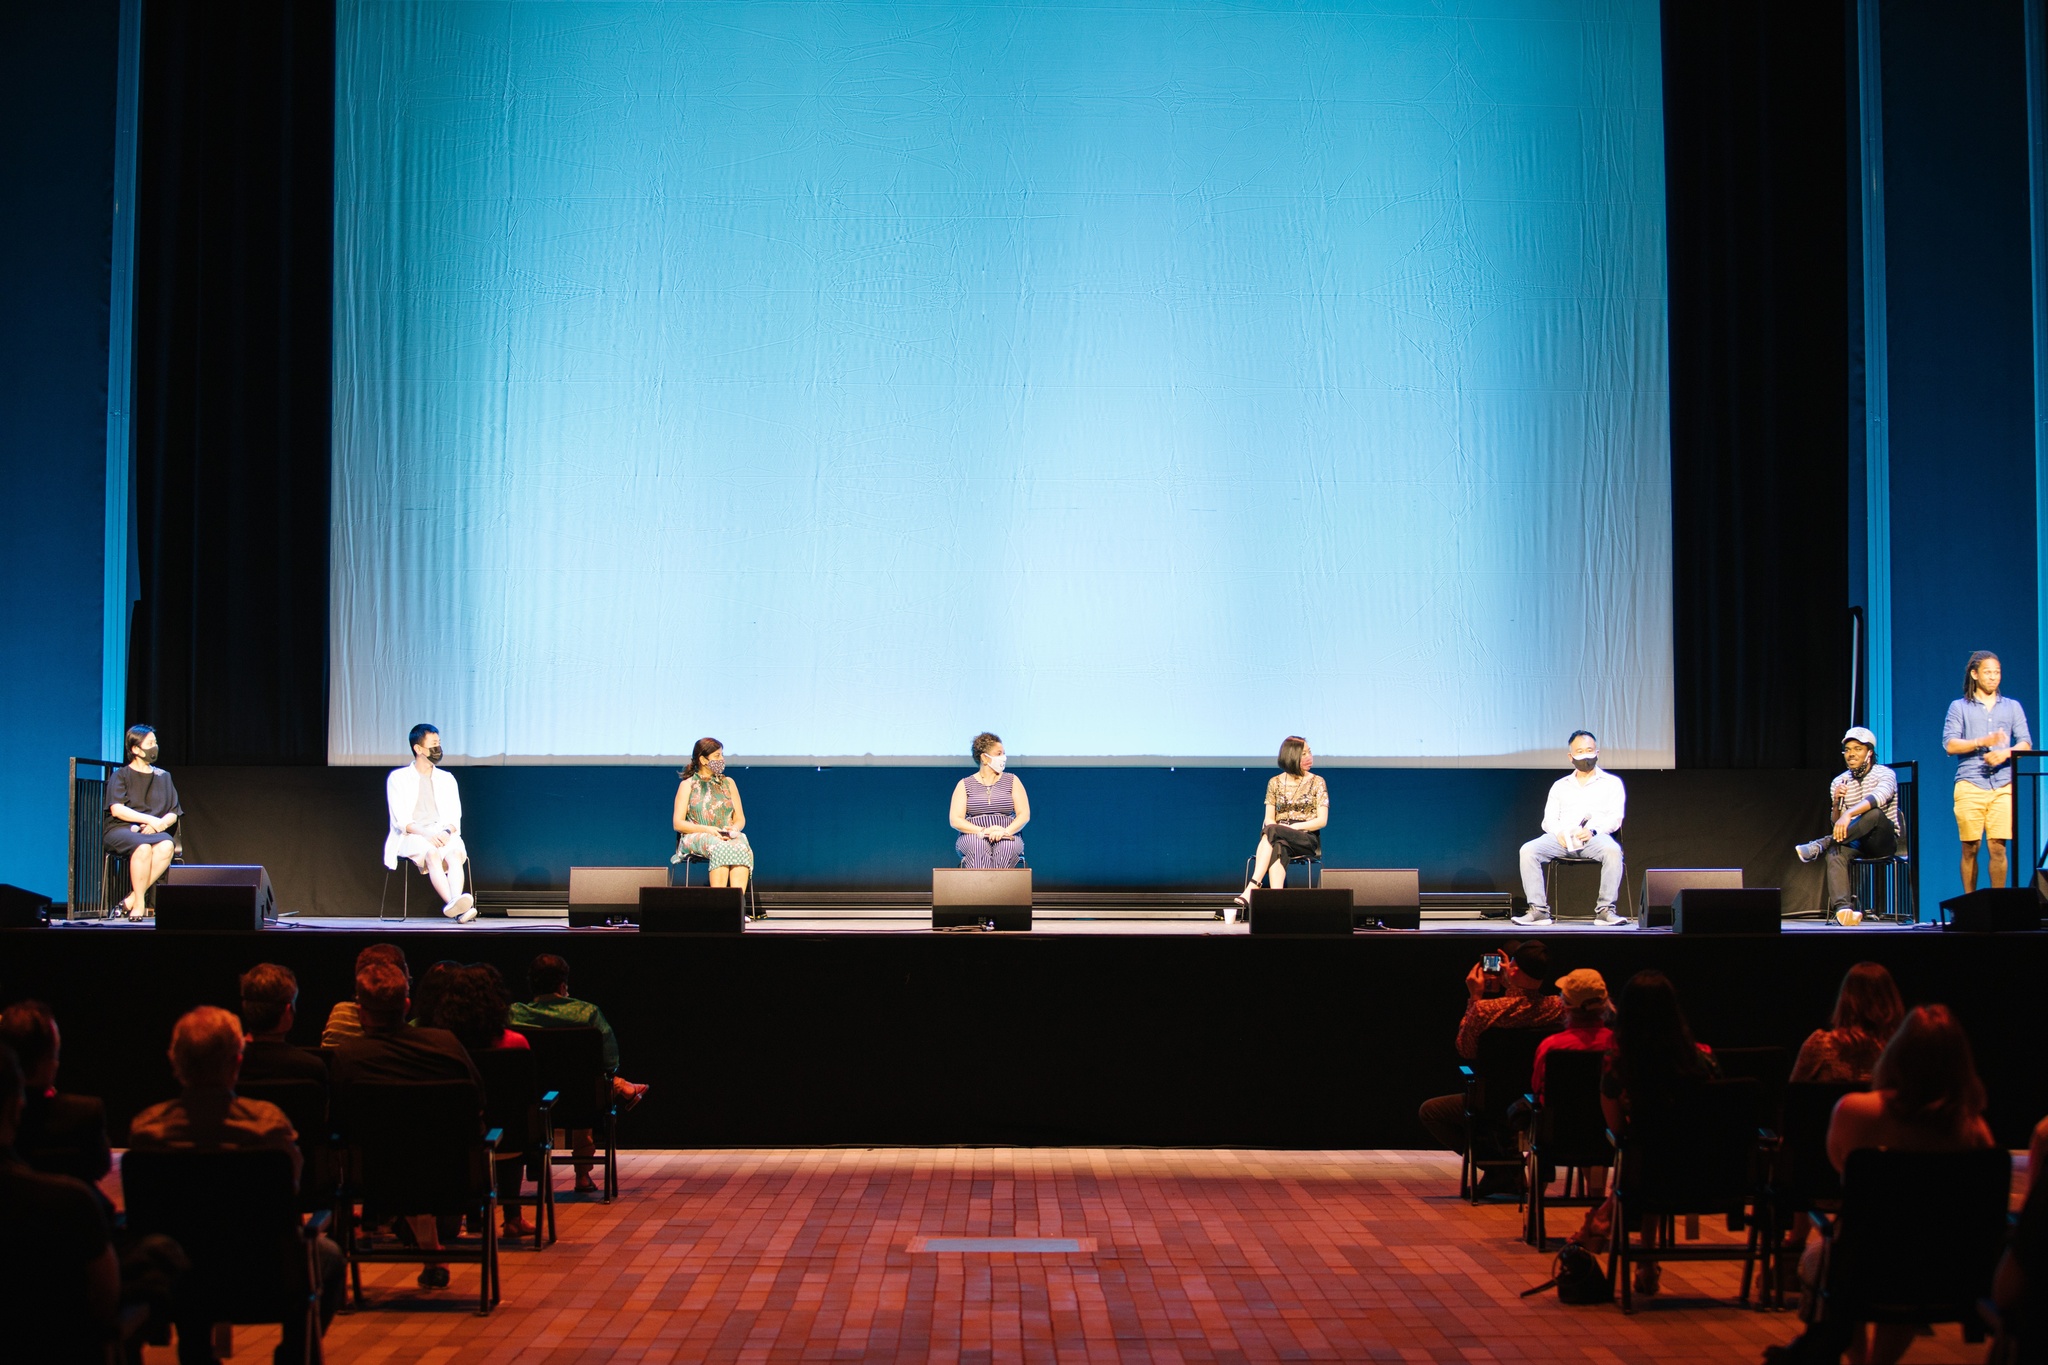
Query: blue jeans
[{"x": 1537, "y": 852}]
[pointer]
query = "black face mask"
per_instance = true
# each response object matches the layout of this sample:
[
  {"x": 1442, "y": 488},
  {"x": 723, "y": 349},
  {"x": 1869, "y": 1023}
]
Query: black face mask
[
  {"x": 434, "y": 754},
  {"x": 148, "y": 755},
  {"x": 1586, "y": 765}
]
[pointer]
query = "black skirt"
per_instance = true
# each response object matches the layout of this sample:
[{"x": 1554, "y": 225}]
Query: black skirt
[
  {"x": 123, "y": 839},
  {"x": 1297, "y": 843}
]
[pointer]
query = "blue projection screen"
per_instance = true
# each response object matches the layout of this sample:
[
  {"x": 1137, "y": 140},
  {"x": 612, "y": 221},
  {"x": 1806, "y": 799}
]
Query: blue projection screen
[{"x": 1135, "y": 380}]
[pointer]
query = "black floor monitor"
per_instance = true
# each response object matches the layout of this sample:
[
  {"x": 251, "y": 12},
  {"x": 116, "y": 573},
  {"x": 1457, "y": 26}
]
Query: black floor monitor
[
  {"x": 203, "y": 896},
  {"x": 1322, "y": 911},
  {"x": 692, "y": 910}
]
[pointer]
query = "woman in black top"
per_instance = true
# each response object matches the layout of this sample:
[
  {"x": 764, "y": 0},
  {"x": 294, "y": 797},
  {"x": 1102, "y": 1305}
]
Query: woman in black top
[{"x": 141, "y": 805}]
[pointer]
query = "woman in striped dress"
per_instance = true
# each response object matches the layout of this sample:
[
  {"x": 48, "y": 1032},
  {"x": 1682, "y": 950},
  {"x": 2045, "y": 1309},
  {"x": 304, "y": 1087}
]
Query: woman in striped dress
[{"x": 989, "y": 807}]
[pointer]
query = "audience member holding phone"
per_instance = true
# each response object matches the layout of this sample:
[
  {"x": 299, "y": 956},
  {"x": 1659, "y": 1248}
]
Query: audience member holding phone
[{"x": 1508, "y": 988}]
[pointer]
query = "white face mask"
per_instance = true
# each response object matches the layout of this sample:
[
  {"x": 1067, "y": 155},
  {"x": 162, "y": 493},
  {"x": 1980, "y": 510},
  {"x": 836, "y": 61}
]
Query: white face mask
[{"x": 998, "y": 761}]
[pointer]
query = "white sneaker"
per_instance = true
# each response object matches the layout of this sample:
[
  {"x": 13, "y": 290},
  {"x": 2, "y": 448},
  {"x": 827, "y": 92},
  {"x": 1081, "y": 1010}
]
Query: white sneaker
[
  {"x": 1810, "y": 850},
  {"x": 1605, "y": 918},
  {"x": 1535, "y": 916},
  {"x": 462, "y": 909}
]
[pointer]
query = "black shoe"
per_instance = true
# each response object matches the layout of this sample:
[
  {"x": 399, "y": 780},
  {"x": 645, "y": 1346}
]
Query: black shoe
[
  {"x": 1499, "y": 1180},
  {"x": 433, "y": 1277}
]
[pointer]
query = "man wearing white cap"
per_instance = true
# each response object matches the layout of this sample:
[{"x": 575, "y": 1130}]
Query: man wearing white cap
[{"x": 1865, "y": 805}]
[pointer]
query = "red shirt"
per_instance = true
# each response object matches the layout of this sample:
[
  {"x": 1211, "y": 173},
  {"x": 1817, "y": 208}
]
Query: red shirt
[{"x": 1571, "y": 1038}]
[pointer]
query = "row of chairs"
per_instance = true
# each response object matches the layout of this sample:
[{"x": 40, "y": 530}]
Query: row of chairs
[{"x": 1912, "y": 1237}]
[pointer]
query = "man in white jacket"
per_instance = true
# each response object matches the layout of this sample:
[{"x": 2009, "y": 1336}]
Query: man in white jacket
[
  {"x": 426, "y": 823},
  {"x": 1585, "y": 808}
]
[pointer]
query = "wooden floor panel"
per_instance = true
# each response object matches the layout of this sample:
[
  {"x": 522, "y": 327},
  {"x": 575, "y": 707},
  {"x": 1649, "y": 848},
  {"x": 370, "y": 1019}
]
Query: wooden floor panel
[{"x": 1224, "y": 1256}]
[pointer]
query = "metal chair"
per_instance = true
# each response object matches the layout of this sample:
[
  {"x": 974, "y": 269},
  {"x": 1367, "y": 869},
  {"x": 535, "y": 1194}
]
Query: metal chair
[
  {"x": 1494, "y": 1080},
  {"x": 570, "y": 1063},
  {"x": 405, "y": 888},
  {"x": 1567, "y": 1131},
  {"x": 515, "y": 1104},
  {"x": 684, "y": 859},
  {"x": 1699, "y": 1157}
]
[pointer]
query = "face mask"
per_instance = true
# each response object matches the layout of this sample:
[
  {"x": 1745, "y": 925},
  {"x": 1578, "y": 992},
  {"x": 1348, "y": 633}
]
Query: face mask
[
  {"x": 149, "y": 753},
  {"x": 1585, "y": 763},
  {"x": 997, "y": 762},
  {"x": 434, "y": 754},
  {"x": 716, "y": 767}
]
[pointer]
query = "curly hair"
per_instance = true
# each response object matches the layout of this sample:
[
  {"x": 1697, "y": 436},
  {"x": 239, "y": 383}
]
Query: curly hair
[
  {"x": 983, "y": 742},
  {"x": 474, "y": 1006}
]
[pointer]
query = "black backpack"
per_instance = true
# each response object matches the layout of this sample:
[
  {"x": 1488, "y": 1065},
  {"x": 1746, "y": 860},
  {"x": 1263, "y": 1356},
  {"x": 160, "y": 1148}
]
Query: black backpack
[{"x": 1578, "y": 1277}]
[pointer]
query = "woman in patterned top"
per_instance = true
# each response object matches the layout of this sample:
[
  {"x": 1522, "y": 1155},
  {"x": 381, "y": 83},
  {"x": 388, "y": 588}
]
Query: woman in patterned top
[
  {"x": 709, "y": 818},
  {"x": 1297, "y": 808},
  {"x": 1867, "y": 1014}
]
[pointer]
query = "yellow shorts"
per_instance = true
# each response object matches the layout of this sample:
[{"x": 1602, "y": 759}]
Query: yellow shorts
[{"x": 1983, "y": 812}]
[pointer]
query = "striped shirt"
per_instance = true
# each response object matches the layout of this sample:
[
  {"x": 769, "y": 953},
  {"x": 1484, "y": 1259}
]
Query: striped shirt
[{"x": 1878, "y": 782}]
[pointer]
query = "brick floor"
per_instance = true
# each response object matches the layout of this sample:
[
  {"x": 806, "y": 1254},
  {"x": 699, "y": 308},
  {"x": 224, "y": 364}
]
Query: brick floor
[{"x": 1201, "y": 1256}]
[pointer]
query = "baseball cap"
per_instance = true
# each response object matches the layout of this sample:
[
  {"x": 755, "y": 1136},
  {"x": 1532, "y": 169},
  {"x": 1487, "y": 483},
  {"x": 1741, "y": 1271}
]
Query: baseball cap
[
  {"x": 1860, "y": 735},
  {"x": 1531, "y": 956},
  {"x": 1583, "y": 989}
]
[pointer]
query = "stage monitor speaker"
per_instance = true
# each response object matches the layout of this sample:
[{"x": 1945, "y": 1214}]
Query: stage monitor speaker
[
  {"x": 1995, "y": 910},
  {"x": 1325, "y": 910},
  {"x": 1386, "y": 897},
  {"x": 1661, "y": 886},
  {"x": 222, "y": 896},
  {"x": 1726, "y": 910},
  {"x": 21, "y": 908},
  {"x": 692, "y": 910},
  {"x": 609, "y": 895},
  {"x": 963, "y": 897}
]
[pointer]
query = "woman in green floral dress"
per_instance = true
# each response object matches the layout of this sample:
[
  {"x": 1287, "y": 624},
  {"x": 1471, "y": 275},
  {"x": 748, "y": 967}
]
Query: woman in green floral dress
[{"x": 709, "y": 818}]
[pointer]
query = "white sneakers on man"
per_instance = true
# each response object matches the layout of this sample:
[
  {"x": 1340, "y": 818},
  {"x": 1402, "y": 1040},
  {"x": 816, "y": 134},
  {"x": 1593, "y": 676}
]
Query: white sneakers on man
[
  {"x": 1605, "y": 918},
  {"x": 1535, "y": 917},
  {"x": 462, "y": 909}
]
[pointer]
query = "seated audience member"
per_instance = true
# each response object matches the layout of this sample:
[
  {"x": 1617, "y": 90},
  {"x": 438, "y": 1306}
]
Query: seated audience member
[
  {"x": 387, "y": 1052},
  {"x": 344, "y": 1020},
  {"x": 428, "y": 989},
  {"x": 1924, "y": 1096},
  {"x": 1515, "y": 997},
  {"x": 2020, "y": 1288},
  {"x": 1867, "y": 1013},
  {"x": 270, "y": 1006},
  {"x": 59, "y": 1280},
  {"x": 553, "y": 1007},
  {"x": 208, "y": 1116},
  {"x": 475, "y": 1006},
  {"x": 1653, "y": 1062},
  {"x": 57, "y": 1134},
  {"x": 1584, "y": 994}
]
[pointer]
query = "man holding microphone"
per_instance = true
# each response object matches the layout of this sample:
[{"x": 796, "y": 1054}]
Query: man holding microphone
[{"x": 1585, "y": 808}]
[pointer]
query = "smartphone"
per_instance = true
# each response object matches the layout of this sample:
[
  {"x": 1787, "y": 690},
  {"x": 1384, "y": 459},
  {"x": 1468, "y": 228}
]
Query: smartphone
[{"x": 1491, "y": 963}]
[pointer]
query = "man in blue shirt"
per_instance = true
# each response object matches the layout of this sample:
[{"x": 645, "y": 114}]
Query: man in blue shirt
[{"x": 1982, "y": 730}]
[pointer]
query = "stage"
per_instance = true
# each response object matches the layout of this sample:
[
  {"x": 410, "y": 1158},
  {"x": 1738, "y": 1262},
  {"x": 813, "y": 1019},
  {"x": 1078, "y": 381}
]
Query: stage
[{"x": 1093, "y": 1029}]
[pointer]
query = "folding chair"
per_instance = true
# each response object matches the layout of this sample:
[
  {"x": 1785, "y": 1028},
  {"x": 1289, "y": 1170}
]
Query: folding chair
[
  {"x": 1801, "y": 1178},
  {"x": 1495, "y": 1080},
  {"x": 1700, "y": 1157},
  {"x": 305, "y": 1103},
  {"x": 236, "y": 1216},
  {"x": 570, "y": 1062},
  {"x": 1567, "y": 1131},
  {"x": 418, "y": 1149},
  {"x": 515, "y": 1105}
]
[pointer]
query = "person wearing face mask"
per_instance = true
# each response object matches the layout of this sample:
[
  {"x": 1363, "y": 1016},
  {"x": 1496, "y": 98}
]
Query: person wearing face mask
[
  {"x": 1864, "y": 805},
  {"x": 709, "y": 819},
  {"x": 426, "y": 823},
  {"x": 989, "y": 807},
  {"x": 1585, "y": 808},
  {"x": 1297, "y": 808},
  {"x": 141, "y": 805}
]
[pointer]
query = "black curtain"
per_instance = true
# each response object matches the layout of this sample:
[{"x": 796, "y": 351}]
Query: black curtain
[
  {"x": 233, "y": 363},
  {"x": 233, "y": 289},
  {"x": 1757, "y": 97}
]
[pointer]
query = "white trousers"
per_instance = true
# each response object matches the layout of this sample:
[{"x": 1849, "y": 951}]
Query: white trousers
[{"x": 447, "y": 860}]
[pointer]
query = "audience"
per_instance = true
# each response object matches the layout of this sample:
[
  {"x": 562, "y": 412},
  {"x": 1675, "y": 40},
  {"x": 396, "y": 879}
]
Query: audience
[
  {"x": 1514, "y": 997},
  {"x": 1654, "y": 1060},
  {"x": 57, "y": 1134},
  {"x": 386, "y": 1052},
  {"x": 345, "y": 1020},
  {"x": 553, "y": 1007},
  {"x": 1867, "y": 1013},
  {"x": 208, "y": 1116},
  {"x": 270, "y": 1006},
  {"x": 1924, "y": 1096},
  {"x": 59, "y": 1280},
  {"x": 2020, "y": 1288},
  {"x": 1584, "y": 996},
  {"x": 475, "y": 1006},
  {"x": 428, "y": 988}
]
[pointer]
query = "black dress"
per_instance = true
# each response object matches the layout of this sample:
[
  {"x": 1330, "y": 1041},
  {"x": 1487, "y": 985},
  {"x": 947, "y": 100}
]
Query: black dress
[{"x": 151, "y": 793}]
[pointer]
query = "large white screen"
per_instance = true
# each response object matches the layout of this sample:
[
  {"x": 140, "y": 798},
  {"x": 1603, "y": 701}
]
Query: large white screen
[{"x": 1130, "y": 379}]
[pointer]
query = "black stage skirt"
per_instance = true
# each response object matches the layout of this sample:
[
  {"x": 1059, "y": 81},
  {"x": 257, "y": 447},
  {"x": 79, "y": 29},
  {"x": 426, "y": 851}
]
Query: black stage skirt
[{"x": 123, "y": 839}]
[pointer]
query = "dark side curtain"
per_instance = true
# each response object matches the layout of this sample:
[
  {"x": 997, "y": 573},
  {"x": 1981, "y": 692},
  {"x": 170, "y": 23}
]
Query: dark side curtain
[
  {"x": 229, "y": 640},
  {"x": 1760, "y": 185}
]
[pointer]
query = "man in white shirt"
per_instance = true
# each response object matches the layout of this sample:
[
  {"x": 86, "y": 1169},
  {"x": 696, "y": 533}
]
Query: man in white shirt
[
  {"x": 426, "y": 823},
  {"x": 1585, "y": 808}
]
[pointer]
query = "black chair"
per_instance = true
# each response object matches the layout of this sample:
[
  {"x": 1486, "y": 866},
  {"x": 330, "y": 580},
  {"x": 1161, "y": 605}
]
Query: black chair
[
  {"x": 682, "y": 860},
  {"x": 236, "y": 1216},
  {"x": 305, "y": 1103},
  {"x": 515, "y": 1104},
  {"x": 1801, "y": 1178},
  {"x": 1767, "y": 1066},
  {"x": 1312, "y": 863},
  {"x": 1567, "y": 1131},
  {"x": 570, "y": 1062},
  {"x": 408, "y": 873},
  {"x": 1917, "y": 1240},
  {"x": 418, "y": 1149},
  {"x": 1698, "y": 1155},
  {"x": 1553, "y": 868},
  {"x": 1497, "y": 1078}
]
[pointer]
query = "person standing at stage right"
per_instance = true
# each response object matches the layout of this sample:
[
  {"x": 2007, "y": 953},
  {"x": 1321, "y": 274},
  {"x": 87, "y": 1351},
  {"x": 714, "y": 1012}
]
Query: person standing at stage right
[
  {"x": 1983, "y": 729},
  {"x": 1586, "y": 806},
  {"x": 989, "y": 807}
]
